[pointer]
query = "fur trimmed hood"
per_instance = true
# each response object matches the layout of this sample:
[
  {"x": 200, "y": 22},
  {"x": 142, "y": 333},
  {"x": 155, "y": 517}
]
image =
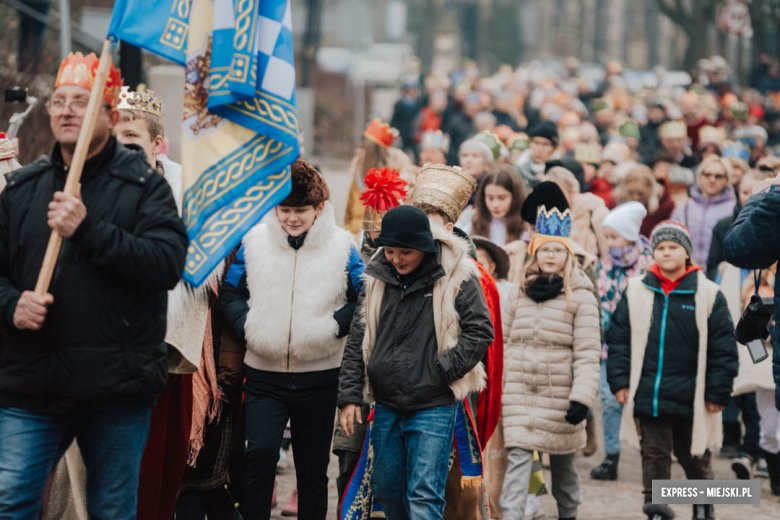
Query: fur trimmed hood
[{"x": 458, "y": 267}]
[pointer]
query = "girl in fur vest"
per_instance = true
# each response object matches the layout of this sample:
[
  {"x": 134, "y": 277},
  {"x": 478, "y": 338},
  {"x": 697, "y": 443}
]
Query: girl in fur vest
[
  {"x": 291, "y": 294},
  {"x": 416, "y": 352},
  {"x": 672, "y": 361},
  {"x": 630, "y": 254},
  {"x": 551, "y": 359}
]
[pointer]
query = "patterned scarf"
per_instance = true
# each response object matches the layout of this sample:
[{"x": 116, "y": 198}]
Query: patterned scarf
[
  {"x": 207, "y": 396},
  {"x": 614, "y": 272}
]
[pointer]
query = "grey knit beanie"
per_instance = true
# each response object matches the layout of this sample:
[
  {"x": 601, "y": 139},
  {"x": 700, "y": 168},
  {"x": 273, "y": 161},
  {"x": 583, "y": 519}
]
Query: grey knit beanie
[{"x": 672, "y": 231}]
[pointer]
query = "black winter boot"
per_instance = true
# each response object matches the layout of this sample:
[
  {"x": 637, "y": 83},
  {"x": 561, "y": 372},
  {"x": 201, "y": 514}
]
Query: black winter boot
[
  {"x": 773, "y": 467},
  {"x": 658, "y": 512},
  {"x": 732, "y": 438},
  {"x": 703, "y": 512},
  {"x": 608, "y": 470}
]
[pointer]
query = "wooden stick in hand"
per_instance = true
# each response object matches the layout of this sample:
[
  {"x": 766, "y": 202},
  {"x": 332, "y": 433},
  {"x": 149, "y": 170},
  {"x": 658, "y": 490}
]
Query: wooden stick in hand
[{"x": 77, "y": 164}]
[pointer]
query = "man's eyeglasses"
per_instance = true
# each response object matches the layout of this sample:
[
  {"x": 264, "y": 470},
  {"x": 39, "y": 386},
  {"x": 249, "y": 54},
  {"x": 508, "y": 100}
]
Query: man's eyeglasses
[
  {"x": 78, "y": 106},
  {"x": 59, "y": 105},
  {"x": 716, "y": 176}
]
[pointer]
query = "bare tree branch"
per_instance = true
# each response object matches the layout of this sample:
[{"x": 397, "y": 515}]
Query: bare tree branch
[{"x": 675, "y": 13}]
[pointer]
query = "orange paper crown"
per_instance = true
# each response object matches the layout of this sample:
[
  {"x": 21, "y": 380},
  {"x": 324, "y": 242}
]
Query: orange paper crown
[
  {"x": 381, "y": 133},
  {"x": 80, "y": 70}
]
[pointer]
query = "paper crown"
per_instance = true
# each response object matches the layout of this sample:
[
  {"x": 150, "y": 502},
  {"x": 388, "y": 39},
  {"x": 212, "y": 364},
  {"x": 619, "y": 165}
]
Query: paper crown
[
  {"x": 710, "y": 134},
  {"x": 739, "y": 110},
  {"x": 736, "y": 149},
  {"x": 552, "y": 225},
  {"x": 491, "y": 140},
  {"x": 629, "y": 129},
  {"x": 80, "y": 70},
  {"x": 587, "y": 153},
  {"x": 503, "y": 132},
  {"x": 381, "y": 133},
  {"x": 569, "y": 118},
  {"x": 601, "y": 104},
  {"x": 553, "y": 222},
  {"x": 385, "y": 190},
  {"x": 437, "y": 140},
  {"x": 672, "y": 129},
  {"x": 519, "y": 142},
  {"x": 446, "y": 188},
  {"x": 145, "y": 101}
]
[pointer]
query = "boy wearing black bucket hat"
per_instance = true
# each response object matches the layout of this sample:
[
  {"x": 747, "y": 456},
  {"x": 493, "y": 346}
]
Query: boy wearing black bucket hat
[{"x": 424, "y": 327}]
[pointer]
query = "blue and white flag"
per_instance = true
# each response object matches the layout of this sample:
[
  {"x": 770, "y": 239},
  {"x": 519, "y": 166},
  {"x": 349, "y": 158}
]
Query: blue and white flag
[
  {"x": 160, "y": 26},
  {"x": 240, "y": 117}
]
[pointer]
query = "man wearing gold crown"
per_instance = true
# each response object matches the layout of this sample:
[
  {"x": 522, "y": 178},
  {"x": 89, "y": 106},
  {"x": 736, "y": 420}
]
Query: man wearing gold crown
[{"x": 88, "y": 360}]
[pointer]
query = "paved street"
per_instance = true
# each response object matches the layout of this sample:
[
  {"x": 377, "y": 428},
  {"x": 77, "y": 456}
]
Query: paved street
[{"x": 601, "y": 500}]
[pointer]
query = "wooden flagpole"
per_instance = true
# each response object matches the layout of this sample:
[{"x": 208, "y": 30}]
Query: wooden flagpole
[{"x": 77, "y": 164}]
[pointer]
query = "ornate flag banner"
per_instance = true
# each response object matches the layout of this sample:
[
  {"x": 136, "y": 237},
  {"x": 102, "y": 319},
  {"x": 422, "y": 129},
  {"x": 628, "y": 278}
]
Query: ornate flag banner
[
  {"x": 160, "y": 27},
  {"x": 240, "y": 118}
]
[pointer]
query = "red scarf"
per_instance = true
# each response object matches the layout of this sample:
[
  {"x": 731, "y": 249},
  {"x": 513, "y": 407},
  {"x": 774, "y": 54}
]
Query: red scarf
[
  {"x": 489, "y": 404},
  {"x": 668, "y": 285}
]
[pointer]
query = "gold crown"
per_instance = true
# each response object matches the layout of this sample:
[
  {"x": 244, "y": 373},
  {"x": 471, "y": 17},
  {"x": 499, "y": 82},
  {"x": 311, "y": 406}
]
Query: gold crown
[
  {"x": 674, "y": 129},
  {"x": 146, "y": 101},
  {"x": 711, "y": 134},
  {"x": 587, "y": 153}
]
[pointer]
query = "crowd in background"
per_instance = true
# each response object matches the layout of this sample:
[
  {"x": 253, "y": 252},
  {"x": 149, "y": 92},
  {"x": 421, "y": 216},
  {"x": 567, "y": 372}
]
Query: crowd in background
[
  {"x": 627, "y": 157},
  {"x": 515, "y": 249}
]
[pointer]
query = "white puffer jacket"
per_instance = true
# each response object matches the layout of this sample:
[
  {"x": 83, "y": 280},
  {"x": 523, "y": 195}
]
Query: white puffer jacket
[{"x": 551, "y": 357}]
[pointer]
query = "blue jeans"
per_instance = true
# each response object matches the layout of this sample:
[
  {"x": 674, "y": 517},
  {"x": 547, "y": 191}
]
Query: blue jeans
[
  {"x": 611, "y": 412},
  {"x": 412, "y": 455},
  {"x": 111, "y": 441}
]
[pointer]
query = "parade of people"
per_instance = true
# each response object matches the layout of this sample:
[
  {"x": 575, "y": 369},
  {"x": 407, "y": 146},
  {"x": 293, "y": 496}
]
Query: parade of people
[{"x": 458, "y": 282}]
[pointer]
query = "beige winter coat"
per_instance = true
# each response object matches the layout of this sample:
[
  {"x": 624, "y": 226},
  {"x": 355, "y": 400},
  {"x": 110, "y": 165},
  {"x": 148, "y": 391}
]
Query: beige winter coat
[
  {"x": 551, "y": 357},
  {"x": 588, "y": 212}
]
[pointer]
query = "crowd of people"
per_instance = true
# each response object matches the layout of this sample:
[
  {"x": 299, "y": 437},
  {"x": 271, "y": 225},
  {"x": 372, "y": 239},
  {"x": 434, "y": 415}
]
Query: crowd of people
[{"x": 515, "y": 250}]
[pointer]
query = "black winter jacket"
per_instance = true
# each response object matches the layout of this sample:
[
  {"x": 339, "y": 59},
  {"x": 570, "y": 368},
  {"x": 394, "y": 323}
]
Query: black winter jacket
[
  {"x": 668, "y": 378},
  {"x": 753, "y": 242},
  {"x": 716, "y": 255},
  {"x": 102, "y": 341},
  {"x": 405, "y": 370}
]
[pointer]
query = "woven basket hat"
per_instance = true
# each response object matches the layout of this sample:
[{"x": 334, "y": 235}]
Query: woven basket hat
[{"x": 446, "y": 188}]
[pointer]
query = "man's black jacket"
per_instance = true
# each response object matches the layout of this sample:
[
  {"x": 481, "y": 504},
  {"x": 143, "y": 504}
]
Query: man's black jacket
[
  {"x": 716, "y": 255},
  {"x": 753, "y": 242},
  {"x": 102, "y": 341}
]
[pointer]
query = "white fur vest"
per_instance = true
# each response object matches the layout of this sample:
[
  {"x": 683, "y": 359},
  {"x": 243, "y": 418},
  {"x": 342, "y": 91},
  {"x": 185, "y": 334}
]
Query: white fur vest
[
  {"x": 459, "y": 267},
  {"x": 293, "y": 296},
  {"x": 707, "y": 427}
]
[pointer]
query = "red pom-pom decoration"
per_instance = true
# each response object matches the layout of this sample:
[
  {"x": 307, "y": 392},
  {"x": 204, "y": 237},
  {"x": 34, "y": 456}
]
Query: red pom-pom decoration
[{"x": 385, "y": 189}]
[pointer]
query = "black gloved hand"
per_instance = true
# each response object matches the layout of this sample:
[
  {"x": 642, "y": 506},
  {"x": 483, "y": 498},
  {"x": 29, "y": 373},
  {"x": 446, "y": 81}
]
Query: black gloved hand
[
  {"x": 343, "y": 317},
  {"x": 577, "y": 413}
]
